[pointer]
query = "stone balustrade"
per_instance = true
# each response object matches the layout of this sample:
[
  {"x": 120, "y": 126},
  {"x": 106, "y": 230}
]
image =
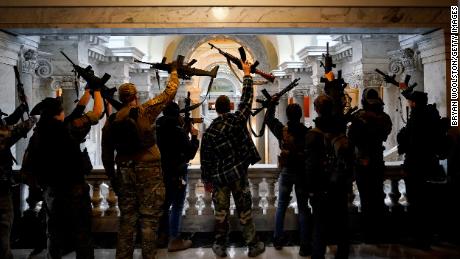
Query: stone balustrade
[{"x": 198, "y": 211}]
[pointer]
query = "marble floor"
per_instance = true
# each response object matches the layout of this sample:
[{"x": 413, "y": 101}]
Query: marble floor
[{"x": 358, "y": 251}]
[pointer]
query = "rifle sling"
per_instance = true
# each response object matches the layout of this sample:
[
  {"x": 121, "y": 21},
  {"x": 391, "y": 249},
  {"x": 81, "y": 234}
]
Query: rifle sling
[{"x": 196, "y": 105}]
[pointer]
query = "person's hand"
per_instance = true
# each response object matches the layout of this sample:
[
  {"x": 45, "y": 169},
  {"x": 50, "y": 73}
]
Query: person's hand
[
  {"x": 193, "y": 130},
  {"x": 208, "y": 187},
  {"x": 174, "y": 66},
  {"x": 246, "y": 67},
  {"x": 276, "y": 98},
  {"x": 59, "y": 92}
]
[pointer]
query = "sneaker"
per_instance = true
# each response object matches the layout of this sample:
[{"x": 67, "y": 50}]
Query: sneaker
[
  {"x": 219, "y": 250},
  {"x": 278, "y": 243},
  {"x": 256, "y": 249},
  {"x": 305, "y": 250},
  {"x": 178, "y": 244}
]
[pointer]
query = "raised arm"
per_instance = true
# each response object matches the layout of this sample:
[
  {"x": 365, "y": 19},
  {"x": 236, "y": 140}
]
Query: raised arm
[
  {"x": 244, "y": 108},
  {"x": 273, "y": 123},
  {"x": 154, "y": 106}
]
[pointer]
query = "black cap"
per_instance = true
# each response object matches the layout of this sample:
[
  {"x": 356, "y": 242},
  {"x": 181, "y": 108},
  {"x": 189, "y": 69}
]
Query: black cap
[
  {"x": 171, "y": 109},
  {"x": 420, "y": 98},
  {"x": 48, "y": 107}
]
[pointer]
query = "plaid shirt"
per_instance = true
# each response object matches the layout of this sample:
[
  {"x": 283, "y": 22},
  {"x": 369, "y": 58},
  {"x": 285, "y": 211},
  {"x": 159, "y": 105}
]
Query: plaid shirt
[{"x": 227, "y": 148}]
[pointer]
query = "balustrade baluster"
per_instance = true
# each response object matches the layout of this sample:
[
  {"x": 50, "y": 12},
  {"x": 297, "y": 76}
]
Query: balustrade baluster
[
  {"x": 112, "y": 202},
  {"x": 96, "y": 199},
  {"x": 192, "y": 198},
  {"x": 395, "y": 195},
  {"x": 256, "y": 195},
  {"x": 207, "y": 201},
  {"x": 271, "y": 196}
]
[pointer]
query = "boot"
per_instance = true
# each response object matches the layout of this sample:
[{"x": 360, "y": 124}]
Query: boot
[
  {"x": 178, "y": 244},
  {"x": 256, "y": 249},
  {"x": 219, "y": 250}
]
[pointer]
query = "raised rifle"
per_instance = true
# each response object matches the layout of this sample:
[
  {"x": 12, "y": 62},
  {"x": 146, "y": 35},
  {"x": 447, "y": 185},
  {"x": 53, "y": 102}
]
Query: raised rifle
[
  {"x": 270, "y": 77},
  {"x": 184, "y": 71},
  {"x": 266, "y": 103},
  {"x": 95, "y": 82},
  {"x": 327, "y": 65},
  {"x": 406, "y": 88},
  {"x": 188, "y": 120},
  {"x": 21, "y": 94}
]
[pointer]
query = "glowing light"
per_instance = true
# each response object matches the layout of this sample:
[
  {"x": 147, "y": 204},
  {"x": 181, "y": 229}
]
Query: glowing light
[{"x": 220, "y": 13}]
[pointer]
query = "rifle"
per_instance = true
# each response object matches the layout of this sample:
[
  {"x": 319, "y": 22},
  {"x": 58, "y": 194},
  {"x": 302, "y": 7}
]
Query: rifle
[
  {"x": 96, "y": 82},
  {"x": 270, "y": 77},
  {"x": 21, "y": 94},
  {"x": 266, "y": 103},
  {"x": 188, "y": 120},
  {"x": 328, "y": 65},
  {"x": 183, "y": 71},
  {"x": 391, "y": 79}
]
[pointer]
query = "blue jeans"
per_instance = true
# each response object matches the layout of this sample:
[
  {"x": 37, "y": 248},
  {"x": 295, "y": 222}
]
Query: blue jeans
[
  {"x": 285, "y": 183},
  {"x": 173, "y": 206}
]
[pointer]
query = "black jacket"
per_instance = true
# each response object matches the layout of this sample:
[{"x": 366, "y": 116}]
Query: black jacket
[{"x": 175, "y": 146}]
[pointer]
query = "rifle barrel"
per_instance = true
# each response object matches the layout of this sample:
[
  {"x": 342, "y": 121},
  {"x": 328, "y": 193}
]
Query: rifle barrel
[{"x": 67, "y": 57}]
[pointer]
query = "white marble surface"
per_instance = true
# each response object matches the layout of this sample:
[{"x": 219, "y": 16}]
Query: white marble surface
[{"x": 357, "y": 251}]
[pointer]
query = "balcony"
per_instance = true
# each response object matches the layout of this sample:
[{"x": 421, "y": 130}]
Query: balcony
[{"x": 198, "y": 215}]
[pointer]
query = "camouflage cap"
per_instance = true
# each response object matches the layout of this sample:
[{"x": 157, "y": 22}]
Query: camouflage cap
[{"x": 127, "y": 92}]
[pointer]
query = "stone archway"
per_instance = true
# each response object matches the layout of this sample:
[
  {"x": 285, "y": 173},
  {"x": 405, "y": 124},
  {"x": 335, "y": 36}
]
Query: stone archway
[{"x": 251, "y": 43}]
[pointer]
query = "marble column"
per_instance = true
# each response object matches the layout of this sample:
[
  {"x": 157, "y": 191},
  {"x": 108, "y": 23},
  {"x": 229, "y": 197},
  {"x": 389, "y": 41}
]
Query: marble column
[
  {"x": 76, "y": 48},
  {"x": 142, "y": 78},
  {"x": 433, "y": 53}
]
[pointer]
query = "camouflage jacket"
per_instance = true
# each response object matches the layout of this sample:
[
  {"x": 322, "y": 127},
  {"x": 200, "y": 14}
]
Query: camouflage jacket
[{"x": 148, "y": 112}]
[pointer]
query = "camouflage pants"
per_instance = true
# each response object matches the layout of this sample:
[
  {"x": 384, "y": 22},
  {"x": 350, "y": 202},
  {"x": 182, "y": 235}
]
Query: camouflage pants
[
  {"x": 68, "y": 220},
  {"x": 6, "y": 221},
  {"x": 243, "y": 201},
  {"x": 140, "y": 198}
]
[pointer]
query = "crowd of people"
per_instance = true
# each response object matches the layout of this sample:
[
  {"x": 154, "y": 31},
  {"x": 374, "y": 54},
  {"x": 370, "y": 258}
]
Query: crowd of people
[{"x": 146, "y": 160}]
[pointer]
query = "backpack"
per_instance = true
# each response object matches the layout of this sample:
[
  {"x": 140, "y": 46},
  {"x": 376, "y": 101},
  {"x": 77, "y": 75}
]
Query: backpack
[
  {"x": 125, "y": 133},
  {"x": 337, "y": 159}
]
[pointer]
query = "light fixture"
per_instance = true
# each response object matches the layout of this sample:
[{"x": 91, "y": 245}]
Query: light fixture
[{"x": 220, "y": 13}]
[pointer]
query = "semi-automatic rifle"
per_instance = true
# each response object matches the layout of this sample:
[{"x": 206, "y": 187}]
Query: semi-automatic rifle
[
  {"x": 21, "y": 94},
  {"x": 270, "y": 77},
  {"x": 328, "y": 64},
  {"x": 266, "y": 103},
  {"x": 188, "y": 119},
  {"x": 95, "y": 82},
  {"x": 406, "y": 88},
  {"x": 184, "y": 71}
]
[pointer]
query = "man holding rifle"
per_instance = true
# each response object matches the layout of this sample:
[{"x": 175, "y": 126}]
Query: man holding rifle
[
  {"x": 138, "y": 181},
  {"x": 226, "y": 153},
  {"x": 177, "y": 149},
  {"x": 55, "y": 164},
  {"x": 10, "y": 133}
]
